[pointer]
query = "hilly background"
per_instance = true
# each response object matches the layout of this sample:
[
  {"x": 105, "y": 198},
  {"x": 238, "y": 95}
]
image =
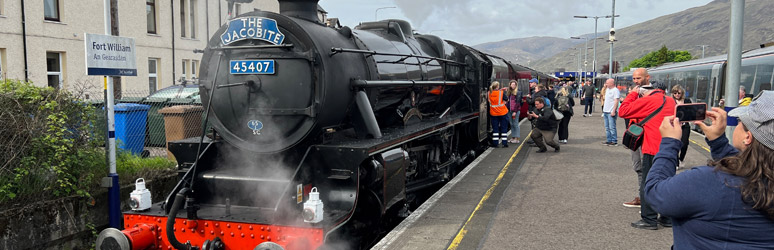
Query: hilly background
[{"x": 684, "y": 30}]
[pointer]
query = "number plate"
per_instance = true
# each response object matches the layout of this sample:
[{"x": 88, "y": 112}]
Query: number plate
[{"x": 242, "y": 67}]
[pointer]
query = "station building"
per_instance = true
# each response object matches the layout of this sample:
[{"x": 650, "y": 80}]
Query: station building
[{"x": 46, "y": 38}]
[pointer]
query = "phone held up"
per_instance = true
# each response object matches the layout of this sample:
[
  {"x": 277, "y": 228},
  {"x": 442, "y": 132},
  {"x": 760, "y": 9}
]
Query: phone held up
[{"x": 691, "y": 112}]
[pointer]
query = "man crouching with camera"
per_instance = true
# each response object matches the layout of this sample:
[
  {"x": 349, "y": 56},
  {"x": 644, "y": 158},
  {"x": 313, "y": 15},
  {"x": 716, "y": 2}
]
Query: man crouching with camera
[{"x": 545, "y": 125}]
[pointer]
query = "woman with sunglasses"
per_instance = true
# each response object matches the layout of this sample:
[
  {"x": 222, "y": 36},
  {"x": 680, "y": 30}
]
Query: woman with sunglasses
[{"x": 678, "y": 93}]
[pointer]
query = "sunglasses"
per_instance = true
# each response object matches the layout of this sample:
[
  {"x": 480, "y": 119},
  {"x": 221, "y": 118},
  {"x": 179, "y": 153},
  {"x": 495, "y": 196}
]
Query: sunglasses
[{"x": 676, "y": 93}]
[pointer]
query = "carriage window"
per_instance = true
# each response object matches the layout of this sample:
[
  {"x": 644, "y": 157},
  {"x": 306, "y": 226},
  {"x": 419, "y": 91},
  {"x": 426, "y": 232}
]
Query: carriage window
[
  {"x": 763, "y": 78},
  {"x": 690, "y": 83},
  {"x": 702, "y": 88},
  {"x": 747, "y": 77}
]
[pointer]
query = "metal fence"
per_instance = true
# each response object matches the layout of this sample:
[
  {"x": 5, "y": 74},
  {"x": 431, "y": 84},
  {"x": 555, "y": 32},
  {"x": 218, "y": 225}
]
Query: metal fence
[{"x": 145, "y": 123}]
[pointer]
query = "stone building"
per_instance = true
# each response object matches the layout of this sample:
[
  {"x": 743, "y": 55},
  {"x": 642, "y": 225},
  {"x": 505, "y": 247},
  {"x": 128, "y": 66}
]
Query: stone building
[{"x": 43, "y": 41}]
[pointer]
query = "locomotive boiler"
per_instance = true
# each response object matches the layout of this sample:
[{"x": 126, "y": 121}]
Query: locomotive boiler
[{"x": 320, "y": 135}]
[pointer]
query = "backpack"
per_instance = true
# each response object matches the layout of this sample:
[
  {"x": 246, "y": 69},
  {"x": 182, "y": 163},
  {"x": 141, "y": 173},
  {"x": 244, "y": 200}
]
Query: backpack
[
  {"x": 548, "y": 102},
  {"x": 561, "y": 103}
]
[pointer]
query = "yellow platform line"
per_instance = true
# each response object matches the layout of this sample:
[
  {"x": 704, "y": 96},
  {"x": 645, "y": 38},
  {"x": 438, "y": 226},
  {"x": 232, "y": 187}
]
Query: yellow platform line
[
  {"x": 702, "y": 146},
  {"x": 461, "y": 234}
]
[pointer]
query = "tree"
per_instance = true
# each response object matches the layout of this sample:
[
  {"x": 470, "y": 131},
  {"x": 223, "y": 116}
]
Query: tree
[
  {"x": 606, "y": 68},
  {"x": 659, "y": 57}
]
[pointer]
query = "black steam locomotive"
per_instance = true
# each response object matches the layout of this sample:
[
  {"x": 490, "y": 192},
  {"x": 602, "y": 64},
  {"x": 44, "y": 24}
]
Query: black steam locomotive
[{"x": 321, "y": 134}]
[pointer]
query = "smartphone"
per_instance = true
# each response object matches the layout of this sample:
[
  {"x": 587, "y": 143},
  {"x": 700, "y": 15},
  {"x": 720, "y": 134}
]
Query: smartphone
[{"x": 691, "y": 112}]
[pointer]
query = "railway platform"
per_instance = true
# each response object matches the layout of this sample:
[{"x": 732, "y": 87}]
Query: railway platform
[{"x": 515, "y": 198}]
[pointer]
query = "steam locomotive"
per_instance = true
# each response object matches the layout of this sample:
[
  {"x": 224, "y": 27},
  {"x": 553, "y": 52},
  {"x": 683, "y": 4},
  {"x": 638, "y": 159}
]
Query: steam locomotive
[{"x": 321, "y": 135}]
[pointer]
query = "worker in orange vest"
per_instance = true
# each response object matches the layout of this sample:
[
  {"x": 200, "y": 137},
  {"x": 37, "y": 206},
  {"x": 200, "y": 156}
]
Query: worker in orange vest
[{"x": 498, "y": 111}]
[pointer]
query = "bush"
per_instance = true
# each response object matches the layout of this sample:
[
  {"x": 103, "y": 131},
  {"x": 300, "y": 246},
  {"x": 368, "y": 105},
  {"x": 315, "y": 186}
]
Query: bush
[{"x": 46, "y": 146}]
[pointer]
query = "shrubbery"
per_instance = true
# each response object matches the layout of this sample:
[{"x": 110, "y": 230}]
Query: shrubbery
[{"x": 47, "y": 147}]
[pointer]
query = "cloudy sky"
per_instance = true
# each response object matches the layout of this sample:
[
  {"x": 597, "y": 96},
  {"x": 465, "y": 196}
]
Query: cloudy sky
[{"x": 478, "y": 21}]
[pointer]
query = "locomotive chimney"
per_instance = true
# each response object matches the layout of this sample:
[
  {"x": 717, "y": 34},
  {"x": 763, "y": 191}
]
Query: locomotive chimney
[{"x": 306, "y": 9}]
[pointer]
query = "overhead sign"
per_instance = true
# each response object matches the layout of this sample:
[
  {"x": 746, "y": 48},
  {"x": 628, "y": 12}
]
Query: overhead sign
[
  {"x": 110, "y": 55},
  {"x": 252, "y": 28}
]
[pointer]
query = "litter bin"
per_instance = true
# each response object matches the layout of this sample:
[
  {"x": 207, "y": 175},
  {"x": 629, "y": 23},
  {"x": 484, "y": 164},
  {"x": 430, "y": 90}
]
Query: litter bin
[
  {"x": 180, "y": 122},
  {"x": 130, "y": 126},
  {"x": 155, "y": 121}
]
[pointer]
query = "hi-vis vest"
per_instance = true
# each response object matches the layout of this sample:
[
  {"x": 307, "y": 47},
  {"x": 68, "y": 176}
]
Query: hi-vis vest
[{"x": 496, "y": 104}]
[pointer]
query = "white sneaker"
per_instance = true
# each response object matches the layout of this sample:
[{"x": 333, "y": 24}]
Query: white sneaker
[{"x": 682, "y": 164}]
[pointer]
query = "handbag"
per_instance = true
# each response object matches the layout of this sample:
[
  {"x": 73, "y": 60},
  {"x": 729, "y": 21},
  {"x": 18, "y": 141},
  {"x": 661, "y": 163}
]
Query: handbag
[
  {"x": 583, "y": 101},
  {"x": 558, "y": 115},
  {"x": 632, "y": 138}
]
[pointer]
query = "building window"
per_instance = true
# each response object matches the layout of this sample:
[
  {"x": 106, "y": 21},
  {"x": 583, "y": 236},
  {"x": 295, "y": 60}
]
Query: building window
[
  {"x": 192, "y": 15},
  {"x": 185, "y": 69},
  {"x": 150, "y": 12},
  {"x": 182, "y": 18},
  {"x": 237, "y": 10},
  {"x": 194, "y": 68},
  {"x": 153, "y": 76},
  {"x": 188, "y": 18},
  {"x": 54, "y": 69},
  {"x": 2, "y": 9},
  {"x": 51, "y": 10}
]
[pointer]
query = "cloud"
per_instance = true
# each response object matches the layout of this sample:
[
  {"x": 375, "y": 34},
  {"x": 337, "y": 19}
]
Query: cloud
[{"x": 478, "y": 21}]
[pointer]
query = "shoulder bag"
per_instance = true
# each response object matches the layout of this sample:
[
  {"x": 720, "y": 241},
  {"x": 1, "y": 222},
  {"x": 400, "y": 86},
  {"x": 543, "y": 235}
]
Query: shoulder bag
[
  {"x": 632, "y": 138},
  {"x": 558, "y": 114}
]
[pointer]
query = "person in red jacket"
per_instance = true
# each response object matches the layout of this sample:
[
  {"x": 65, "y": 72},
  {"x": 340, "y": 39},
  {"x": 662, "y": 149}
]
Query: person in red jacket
[{"x": 640, "y": 103}]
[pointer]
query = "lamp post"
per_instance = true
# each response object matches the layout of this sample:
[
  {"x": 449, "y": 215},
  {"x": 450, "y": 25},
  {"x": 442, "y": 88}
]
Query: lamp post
[
  {"x": 596, "y": 18},
  {"x": 377, "y": 11},
  {"x": 702, "y": 49},
  {"x": 612, "y": 26},
  {"x": 585, "y": 52}
]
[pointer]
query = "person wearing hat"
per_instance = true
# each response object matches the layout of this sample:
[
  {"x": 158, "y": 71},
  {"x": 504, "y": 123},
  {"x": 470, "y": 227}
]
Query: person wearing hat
[
  {"x": 588, "y": 99},
  {"x": 730, "y": 203}
]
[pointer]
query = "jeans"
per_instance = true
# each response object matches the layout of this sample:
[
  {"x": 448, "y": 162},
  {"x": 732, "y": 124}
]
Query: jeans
[
  {"x": 515, "y": 130},
  {"x": 610, "y": 131},
  {"x": 589, "y": 105},
  {"x": 637, "y": 165},
  {"x": 499, "y": 130}
]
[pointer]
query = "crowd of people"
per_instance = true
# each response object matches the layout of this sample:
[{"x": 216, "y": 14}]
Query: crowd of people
[{"x": 728, "y": 204}]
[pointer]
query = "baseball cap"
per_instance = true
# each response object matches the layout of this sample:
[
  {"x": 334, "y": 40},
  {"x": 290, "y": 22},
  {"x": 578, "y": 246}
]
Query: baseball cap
[
  {"x": 758, "y": 117},
  {"x": 533, "y": 80}
]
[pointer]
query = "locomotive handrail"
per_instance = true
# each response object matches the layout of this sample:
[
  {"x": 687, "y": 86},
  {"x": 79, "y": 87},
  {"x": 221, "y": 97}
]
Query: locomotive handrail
[
  {"x": 287, "y": 45},
  {"x": 406, "y": 56},
  {"x": 401, "y": 83}
]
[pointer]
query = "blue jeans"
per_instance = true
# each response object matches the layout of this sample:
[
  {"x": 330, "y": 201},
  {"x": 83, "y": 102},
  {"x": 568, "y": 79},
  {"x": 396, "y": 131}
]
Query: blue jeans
[
  {"x": 515, "y": 130},
  {"x": 612, "y": 134},
  {"x": 589, "y": 105}
]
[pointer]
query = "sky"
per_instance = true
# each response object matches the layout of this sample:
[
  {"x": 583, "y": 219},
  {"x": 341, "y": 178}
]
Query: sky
[{"x": 474, "y": 22}]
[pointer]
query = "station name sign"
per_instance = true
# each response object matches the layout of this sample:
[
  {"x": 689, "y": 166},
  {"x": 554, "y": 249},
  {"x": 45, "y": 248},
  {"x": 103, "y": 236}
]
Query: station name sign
[
  {"x": 252, "y": 28},
  {"x": 110, "y": 55}
]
